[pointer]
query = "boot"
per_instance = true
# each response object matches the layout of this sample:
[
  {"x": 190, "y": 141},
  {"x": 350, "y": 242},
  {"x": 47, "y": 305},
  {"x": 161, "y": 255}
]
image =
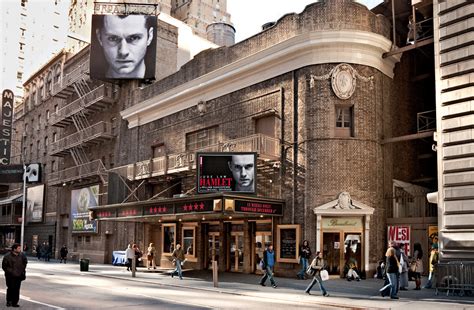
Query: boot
[{"x": 418, "y": 284}]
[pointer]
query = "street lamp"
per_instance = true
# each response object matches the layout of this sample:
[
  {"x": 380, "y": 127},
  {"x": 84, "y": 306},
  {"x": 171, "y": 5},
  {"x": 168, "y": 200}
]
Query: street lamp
[{"x": 23, "y": 204}]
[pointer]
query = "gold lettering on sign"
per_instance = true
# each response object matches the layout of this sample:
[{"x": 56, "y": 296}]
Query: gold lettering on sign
[
  {"x": 337, "y": 222},
  {"x": 341, "y": 222}
]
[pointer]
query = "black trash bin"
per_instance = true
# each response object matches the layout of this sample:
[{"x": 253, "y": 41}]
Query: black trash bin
[{"x": 84, "y": 263}]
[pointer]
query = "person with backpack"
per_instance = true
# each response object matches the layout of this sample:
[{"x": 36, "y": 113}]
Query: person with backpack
[{"x": 268, "y": 264}]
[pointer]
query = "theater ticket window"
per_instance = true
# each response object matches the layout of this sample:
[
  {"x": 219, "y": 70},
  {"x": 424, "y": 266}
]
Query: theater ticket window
[
  {"x": 169, "y": 238},
  {"x": 288, "y": 240},
  {"x": 189, "y": 247}
]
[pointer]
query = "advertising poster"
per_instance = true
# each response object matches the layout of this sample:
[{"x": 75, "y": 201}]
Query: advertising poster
[
  {"x": 81, "y": 200},
  {"x": 34, "y": 204},
  {"x": 432, "y": 235},
  {"x": 400, "y": 234},
  {"x": 226, "y": 172},
  {"x": 123, "y": 47}
]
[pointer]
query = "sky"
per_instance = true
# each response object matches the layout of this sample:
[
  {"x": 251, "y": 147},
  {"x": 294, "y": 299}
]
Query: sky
[{"x": 249, "y": 21}]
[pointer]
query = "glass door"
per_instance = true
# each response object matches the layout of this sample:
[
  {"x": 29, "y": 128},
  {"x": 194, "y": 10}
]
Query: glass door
[
  {"x": 236, "y": 256},
  {"x": 262, "y": 241},
  {"x": 213, "y": 247},
  {"x": 331, "y": 251}
]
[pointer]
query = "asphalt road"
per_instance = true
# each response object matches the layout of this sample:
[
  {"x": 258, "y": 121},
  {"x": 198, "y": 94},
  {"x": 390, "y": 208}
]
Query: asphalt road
[{"x": 49, "y": 286}]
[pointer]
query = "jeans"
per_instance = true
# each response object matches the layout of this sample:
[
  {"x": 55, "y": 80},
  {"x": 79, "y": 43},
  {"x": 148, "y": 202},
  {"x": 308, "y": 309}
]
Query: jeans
[
  {"x": 316, "y": 278},
  {"x": 268, "y": 274},
  {"x": 392, "y": 278},
  {"x": 178, "y": 269},
  {"x": 304, "y": 266}
]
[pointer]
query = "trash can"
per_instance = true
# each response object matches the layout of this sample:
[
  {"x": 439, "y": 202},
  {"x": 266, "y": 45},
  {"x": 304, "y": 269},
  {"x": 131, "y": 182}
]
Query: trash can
[{"x": 84, "y": 263}]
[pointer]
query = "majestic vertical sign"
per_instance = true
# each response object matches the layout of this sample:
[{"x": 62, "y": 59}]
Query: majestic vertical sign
[
  {"x": 81, "y": 200},
  {"x": 6, "y": 127},
  {"x": 400, "y": 234}
]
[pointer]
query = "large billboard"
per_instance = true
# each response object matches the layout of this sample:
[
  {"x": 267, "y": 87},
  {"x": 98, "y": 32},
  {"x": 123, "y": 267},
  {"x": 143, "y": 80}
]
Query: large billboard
[
  {"x": 123, "y": 47},
  {"x": 34, "y": 204},
  {"x": 81, "y": 200},
  {"x": 226, "y": 172}
]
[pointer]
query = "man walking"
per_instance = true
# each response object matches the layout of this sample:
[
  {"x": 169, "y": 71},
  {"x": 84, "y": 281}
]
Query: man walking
[
  {"x": 268, "y": 263},
  {"x": 14, "y": 265},
  {"x": 178, "y": 258}
]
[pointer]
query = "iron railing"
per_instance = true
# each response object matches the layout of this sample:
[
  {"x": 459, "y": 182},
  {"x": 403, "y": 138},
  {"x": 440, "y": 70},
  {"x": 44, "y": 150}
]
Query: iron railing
[{"x": 92, "y": 168}]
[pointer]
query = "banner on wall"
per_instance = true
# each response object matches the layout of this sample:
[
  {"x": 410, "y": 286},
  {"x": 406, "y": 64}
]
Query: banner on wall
[
  {"x": 400, "y": 234},
  {"x": 81, "y": 200},
  {"x": 34, "y": 204}
]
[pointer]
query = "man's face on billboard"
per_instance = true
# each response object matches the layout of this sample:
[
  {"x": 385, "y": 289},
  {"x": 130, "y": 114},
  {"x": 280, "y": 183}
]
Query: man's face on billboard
[
  {"x": 124, "y": 42},
  {"x": 242, "y": 167}
]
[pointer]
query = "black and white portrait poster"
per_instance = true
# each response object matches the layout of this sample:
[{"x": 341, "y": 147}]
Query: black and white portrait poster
[
  {"x": 226, "y": 172},
  {"x": 34, "y": 204},
  {"x": 123, "y": 47}
]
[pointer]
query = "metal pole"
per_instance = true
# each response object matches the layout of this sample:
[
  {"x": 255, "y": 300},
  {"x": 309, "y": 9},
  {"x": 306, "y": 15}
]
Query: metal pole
[
  {"x": 134, "y": 266},
  {"x": 393, "y": 23},
  {"x": 23, "y": 206}
]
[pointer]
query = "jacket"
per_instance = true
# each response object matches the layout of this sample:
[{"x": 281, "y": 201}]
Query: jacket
[
  {"x": 14, "y": 265},
  {"x": 392, "y": 264},
  {"x": 130, "y": 253},
  {"x": 318, "y": 264},
  {"x": 265, "y": 258},
  {"x": 178, "y": 254},
  {"x": 305, "y": 252}
]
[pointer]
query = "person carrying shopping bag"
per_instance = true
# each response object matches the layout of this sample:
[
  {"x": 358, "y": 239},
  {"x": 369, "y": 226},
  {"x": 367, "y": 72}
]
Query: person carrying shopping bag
[{"x": 318, "y": 268}]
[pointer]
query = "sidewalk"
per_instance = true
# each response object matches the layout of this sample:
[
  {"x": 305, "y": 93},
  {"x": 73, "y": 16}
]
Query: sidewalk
[{"x": 343, "y": 294}]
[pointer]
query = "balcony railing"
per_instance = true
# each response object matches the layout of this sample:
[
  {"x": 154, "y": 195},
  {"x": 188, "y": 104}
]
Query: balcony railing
[
  {"x": 70, "y": 77},
  {"x": 103, "y": 93},
  {"x": 101, "y": 130},
  {"x": 266, "y": 147},
  {"x": 93, "y": 168}
]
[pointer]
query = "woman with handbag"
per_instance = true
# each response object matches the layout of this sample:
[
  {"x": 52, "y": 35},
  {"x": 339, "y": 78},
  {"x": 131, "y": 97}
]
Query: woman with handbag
[
  {"x": 317, "y": 266},
  {"x": 392, "y": 265},
  {"x": 416, "y": 265}
]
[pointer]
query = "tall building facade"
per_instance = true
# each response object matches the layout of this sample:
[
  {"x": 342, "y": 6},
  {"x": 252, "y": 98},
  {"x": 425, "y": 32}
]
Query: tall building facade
[{"x": 455, "y": 119}]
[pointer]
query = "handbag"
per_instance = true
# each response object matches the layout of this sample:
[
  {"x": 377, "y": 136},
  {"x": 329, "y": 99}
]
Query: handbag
[
  {"x": 324, "y": 275},
  {"x": 310, "y": 271},
  {"x": 413, "y": 266}
]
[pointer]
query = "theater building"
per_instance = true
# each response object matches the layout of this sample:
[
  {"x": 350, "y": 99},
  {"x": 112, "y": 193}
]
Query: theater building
[{"x": 318, "y": 97}]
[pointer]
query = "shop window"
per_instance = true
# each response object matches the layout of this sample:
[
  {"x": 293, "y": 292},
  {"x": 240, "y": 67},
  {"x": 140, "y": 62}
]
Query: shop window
[
  {"x": 201, "y": 138},
  {"x": 169, "y": 238},
  {"x": 344, "y": 121},
  {"x": 189, "y": 247}
]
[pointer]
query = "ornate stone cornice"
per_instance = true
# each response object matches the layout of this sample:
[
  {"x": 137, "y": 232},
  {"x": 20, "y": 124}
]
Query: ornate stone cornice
[{"x": 313, "y": 48}]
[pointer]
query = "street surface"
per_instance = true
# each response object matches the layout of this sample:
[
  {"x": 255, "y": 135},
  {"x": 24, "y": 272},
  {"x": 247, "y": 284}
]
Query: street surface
[{"x": 50, "y": 285}]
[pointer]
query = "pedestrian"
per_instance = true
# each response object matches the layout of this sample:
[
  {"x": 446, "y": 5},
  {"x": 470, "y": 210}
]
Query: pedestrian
[
  {"x": 138, "y": 254},
  {"x": 317, "y": 265},
  {"x": 130, "y": 255},
  {"x": 416, "y": 265},
  {"x": 305, "y": 254},
  {"x": 14, "y": 265},
  {"x": 39, "y": 249},
  {"x": 391, "y": 264},
  {"x": 63, "y": 253},
  {"x": 44, "y": 251},
  {"x": 434, "y": 257},
  {"x": 49, "y": 252},
  {"x": 268, "y": 264},
  {"x": 178, "y": 259},
  {"x": 150, "y": 256},
  {"x": 404, "y": 263},
  {"x": 351, "y": 267}
]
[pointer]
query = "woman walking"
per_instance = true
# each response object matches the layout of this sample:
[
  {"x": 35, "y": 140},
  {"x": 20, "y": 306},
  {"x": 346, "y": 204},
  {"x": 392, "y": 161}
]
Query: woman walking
[
  {"x": 392, "y": 270},
  {"x": 150, "y": 256},
  {"x": 417, "y": 265},
  {"x": 317, "y": 264},
  {"x": 305, "y": 254}
]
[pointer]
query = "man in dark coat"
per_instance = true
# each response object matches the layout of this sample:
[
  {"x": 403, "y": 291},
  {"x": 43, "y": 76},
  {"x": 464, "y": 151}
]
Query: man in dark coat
[{"x": 14, "y": 265}]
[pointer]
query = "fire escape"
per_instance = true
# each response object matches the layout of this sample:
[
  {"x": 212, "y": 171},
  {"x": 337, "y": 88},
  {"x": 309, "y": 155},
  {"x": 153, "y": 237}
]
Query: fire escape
[{"x": 84, "y": 98}]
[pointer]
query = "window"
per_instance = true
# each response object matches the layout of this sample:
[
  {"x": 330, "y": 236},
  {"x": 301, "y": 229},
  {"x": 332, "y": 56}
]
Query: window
[
  {"x": 189, "y": 247},
  {"x": 46, "y": 141},
  {"x": 344, "y": 121},
  {"x": 53, "y": 164},
  {"x": 47, "y": 114},
  {"x": 55, "y": 137},
  {"x": 266, "y": 125},
  {"x": 201, "y": 138},
  {"x": 56, "y": 109},
  {"x": 169, "y": 241}
]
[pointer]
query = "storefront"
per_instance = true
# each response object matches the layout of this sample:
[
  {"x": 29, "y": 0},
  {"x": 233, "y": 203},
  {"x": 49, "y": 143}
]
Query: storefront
[
  {"x": 342, "y": 233},
  {"x": 230, "y": 229}
]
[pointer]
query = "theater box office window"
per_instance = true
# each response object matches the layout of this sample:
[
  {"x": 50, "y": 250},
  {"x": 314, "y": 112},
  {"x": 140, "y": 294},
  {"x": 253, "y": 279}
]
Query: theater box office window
[{"x": 343, "y": 233}]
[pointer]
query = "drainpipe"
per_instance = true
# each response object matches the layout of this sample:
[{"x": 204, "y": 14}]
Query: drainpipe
[
  {"x": 282, "y": 139},
  {"x": 295, "y": 144}
]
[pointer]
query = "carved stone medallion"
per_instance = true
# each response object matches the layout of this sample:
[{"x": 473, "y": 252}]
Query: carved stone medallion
[{"x": 343, "y": 81}]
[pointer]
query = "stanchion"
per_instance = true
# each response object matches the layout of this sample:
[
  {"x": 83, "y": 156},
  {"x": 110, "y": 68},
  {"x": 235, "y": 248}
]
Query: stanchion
[
  {"x": 215, "y": 273},
  {"x": 134, "y": 267}
]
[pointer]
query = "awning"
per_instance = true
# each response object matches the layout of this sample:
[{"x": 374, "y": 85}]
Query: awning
[{"x": 12, "y": 199}]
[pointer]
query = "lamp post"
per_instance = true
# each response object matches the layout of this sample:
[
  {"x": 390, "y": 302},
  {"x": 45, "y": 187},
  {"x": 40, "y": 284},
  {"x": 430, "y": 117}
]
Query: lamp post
[{"x": 23, "y": 201}]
